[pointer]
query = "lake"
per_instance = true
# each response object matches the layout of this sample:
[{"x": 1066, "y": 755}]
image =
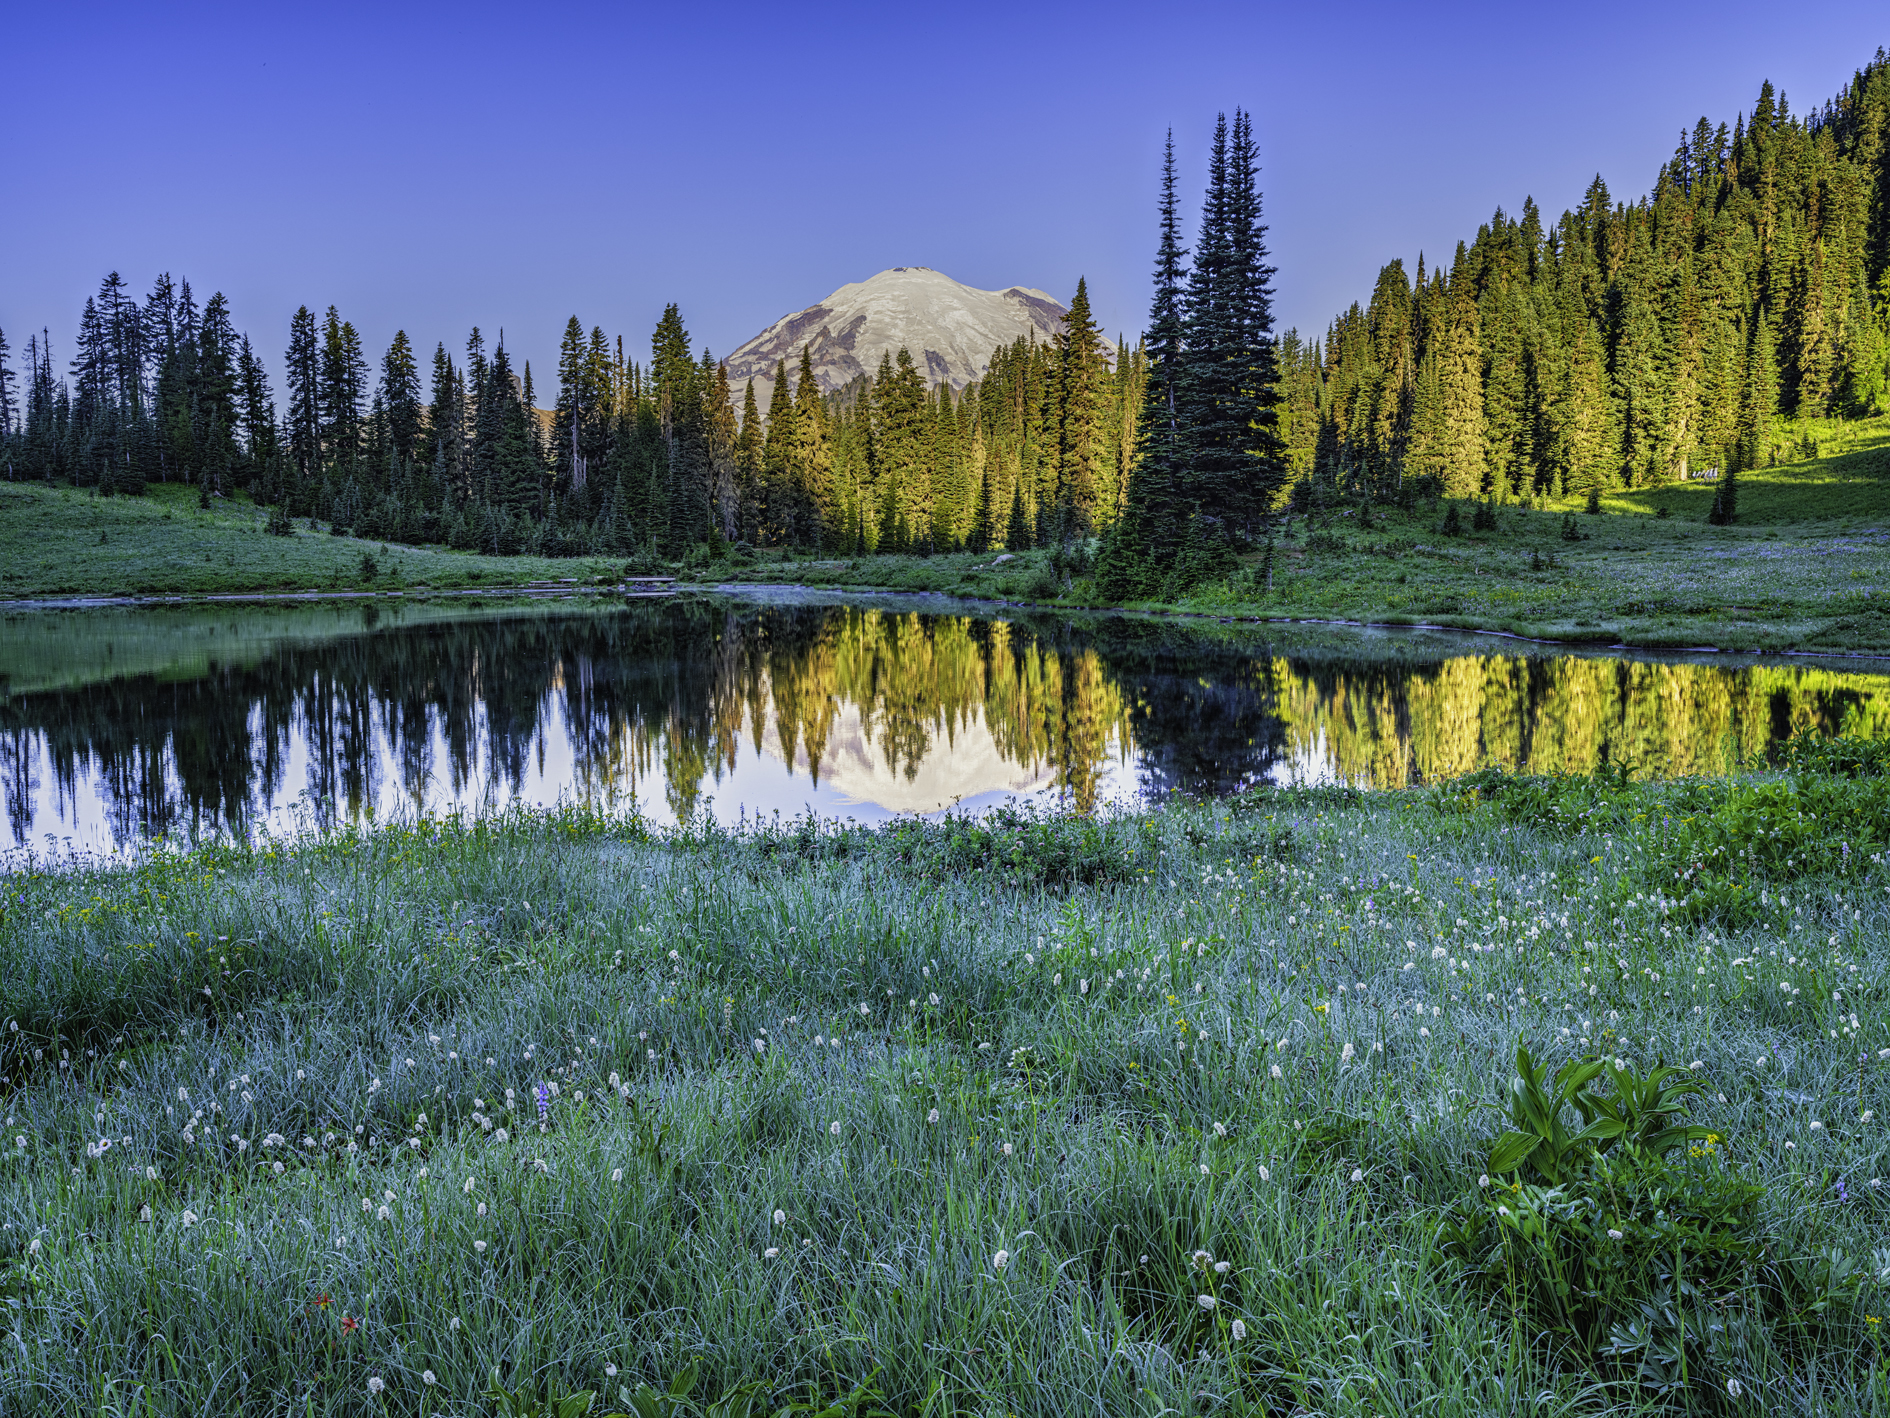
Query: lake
[{"x": 117, "y": 724}]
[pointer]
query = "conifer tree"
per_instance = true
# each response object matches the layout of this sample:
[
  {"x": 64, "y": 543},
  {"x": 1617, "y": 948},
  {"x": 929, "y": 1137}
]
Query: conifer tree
[
  {"x": 1460, "y": 387},
  {"x": 777, "y": 462},
  {"x": 1154, "y": 503},
  {"x": 812, "y": 457},
  {"x": 1080, "y": 373},
  {"x": 303, "y": 379},
  {"x": 400, "y": 394},
  {"x": 748, "y": 467}
]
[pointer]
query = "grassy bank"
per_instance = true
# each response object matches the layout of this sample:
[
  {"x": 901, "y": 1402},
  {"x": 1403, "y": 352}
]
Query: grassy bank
[
  {"x": 1804, "y": 567},
  {"x": 1186, "y": 1112},
  {"x": 59, "y": 541}
]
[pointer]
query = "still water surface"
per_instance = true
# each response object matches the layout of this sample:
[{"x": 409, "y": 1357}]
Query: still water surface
[{"x": 116, "y": 724}]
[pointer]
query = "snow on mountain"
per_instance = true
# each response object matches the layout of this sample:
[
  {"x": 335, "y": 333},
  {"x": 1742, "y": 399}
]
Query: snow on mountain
[{"x": 950, "y": 330}]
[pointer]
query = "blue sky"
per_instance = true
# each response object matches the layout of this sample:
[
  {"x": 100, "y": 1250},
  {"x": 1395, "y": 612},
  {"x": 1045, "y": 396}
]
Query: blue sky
[{"x": 435, "y": 167}]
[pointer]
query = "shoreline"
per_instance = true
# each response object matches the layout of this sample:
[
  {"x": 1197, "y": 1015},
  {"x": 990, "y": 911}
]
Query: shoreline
[{"x": 569, "y": 590}]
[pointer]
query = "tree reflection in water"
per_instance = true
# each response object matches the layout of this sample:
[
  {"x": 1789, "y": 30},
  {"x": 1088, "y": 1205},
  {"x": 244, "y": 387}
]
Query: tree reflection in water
[{"x": 172, "y": 724}]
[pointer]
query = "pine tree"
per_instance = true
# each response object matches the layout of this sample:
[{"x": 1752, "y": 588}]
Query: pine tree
[
  {"x": 1759, "y": 402},
  {"x": 1460, "y": 384},
  {"x": 400, "y": 393},
  {"x": 748, "y": 468},
  {"x": 1154, "y": 503},
  {"x": 303, "y": 378},
  {"x": 777, "y": 463},
  {"x": 8, "y": 408},
  {"x": 1079, "y": 392}
]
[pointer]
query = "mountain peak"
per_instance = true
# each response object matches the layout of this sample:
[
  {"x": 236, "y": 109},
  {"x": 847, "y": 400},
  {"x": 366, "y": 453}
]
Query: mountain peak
[{"x": 949, "y": 328}]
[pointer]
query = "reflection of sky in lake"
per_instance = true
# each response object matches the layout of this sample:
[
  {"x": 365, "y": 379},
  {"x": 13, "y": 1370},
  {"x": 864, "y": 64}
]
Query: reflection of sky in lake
[
  {"x": 114, "y": 728},
  {"x": 856, "y": 782}
]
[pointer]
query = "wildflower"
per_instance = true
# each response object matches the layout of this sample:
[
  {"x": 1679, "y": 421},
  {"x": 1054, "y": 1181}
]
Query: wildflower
[
  {"x": 1000, "y": 1260},
  {"x": 1345, "y": 1054},
  {"x": 1817, "y": 1127},
  {"x": 616, "y": 1174},
  {"x": 610, "y": 1371},
  {"x": 428, "y": 1377},
  {"x": 1221, "y": 1267},
  {"x": 499, "y": 1136},
  {"x": 1274, "y": 1072},
  {"x": 1734, "y": 1387},
  {"x": 541, "y": 1165},
  {"x": 144, "y": 1212},
  {"x": 481, "y": 1211},
  {"x": 1265, "y": 1175},
  {"x": 1239, "y": 1331},
  {"x": 834, "y": 1127},
  {"x": 349, "y": 1325},
  {"x": 467, "y": 1189},
  {"x": 1358, "y": 1174},
  {"x": 780, "y": 1217},
  {"x": 1206, "y": 1302},
  {"x": 453, "y": 1323},
  {"x": 383, "y": 1214},
  {"x": 480, "y": 1246},
  {"x": 276, "y": 1167},
  {"x": 1006, "y": 1149},
  {"x": 1613, "y": 1235},
  {"x": 1220, "y": 1129},
  {"x": 1484, "y": 1180},
  {"x": 932, "y": 1116},
  {"x": 771, "y": 1253},
  {"x": 189, "y": 1218},
  {"x": 376, "y": 1385}
]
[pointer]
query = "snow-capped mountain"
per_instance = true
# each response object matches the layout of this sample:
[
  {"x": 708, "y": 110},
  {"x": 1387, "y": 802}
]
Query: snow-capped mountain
[{"x": 949, "y": 328}]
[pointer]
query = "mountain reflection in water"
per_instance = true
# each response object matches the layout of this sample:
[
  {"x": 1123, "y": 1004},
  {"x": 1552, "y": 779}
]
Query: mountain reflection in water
[{"x": 119, "y": 724}]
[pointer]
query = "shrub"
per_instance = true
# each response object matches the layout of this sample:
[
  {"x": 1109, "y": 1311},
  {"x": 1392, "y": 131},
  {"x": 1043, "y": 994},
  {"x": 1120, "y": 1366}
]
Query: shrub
[
  {"x": 1804, "y": 825},
  {"x": 1651, "y": 1267}
]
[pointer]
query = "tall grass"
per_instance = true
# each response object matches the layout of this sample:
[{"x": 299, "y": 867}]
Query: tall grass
[{"x": 1023, "y": 1108}]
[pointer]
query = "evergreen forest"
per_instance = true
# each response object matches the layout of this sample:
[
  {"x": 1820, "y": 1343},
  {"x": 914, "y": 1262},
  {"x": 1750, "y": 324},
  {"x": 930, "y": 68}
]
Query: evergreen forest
[{"x": 1626, "y": 344}]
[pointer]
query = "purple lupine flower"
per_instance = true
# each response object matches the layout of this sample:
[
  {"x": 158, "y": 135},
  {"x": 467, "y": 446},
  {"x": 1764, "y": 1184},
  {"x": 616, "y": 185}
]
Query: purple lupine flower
[{"x": 544, "y": 1103}]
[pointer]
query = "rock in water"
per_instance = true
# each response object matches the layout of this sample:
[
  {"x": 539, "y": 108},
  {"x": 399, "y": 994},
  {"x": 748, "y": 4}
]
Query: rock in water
[{"x": 949, "y": 328}]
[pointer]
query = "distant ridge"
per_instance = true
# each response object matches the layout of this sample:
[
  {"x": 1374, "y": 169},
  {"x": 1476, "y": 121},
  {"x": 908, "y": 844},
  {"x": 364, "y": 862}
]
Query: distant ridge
[{"x": 950, "y": 329}]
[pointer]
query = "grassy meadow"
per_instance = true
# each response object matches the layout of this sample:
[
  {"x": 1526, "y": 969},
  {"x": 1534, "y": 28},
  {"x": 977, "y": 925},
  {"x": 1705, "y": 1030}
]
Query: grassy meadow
[
  {"x": 1186, "y": 1111},
  {"x": 1803, "y": 569},
  {"x": 61, "y": 541}
]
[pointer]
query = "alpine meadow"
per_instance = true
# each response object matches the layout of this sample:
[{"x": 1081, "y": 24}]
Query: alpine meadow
[{"x": 1384, "y": 1029}]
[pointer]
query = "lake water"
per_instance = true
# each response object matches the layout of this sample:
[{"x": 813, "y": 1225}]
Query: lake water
[{"x": 120, "y": 723}]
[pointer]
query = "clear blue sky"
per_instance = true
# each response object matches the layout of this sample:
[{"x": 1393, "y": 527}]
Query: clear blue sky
[{"x": 433, "y": 167}]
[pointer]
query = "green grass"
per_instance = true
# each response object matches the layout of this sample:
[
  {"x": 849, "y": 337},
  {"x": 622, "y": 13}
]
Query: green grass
[
  {"x": 1310, "y": 999},
  {"x": 1804, "y": 568},
  {"x": 58, "y": 541}
]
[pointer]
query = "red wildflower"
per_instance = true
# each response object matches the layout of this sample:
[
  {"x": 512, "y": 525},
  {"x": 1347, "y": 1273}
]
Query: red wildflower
[{"x": 349, "y": 1325}]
